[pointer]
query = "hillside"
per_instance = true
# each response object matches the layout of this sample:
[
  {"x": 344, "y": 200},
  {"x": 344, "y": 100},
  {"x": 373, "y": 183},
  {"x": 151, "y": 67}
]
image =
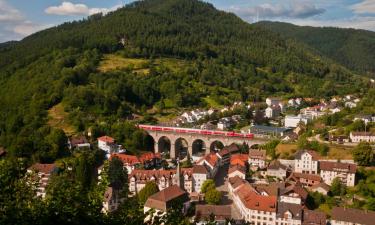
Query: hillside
[
  {"x": 77, "y": 64},
  {"x": 352, "y": 48}
]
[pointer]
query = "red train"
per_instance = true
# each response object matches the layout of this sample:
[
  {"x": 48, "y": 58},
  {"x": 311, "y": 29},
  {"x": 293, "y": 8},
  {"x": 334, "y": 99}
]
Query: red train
[{"x": 195, "y": 131}]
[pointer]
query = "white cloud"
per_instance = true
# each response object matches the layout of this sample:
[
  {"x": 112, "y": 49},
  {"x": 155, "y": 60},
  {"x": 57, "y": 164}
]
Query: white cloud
[
  {"x": 300, "y": 9},
  {"x": 367, "y": 6},
  {"x": 28, "y": 27},
  {"x": 71, "y": 9},
  {"x": 8, "y": 13}
]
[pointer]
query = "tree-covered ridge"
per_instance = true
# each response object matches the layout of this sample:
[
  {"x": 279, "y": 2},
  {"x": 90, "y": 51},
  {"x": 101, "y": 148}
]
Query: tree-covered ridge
[
  {"x": 228, "y": 60},
  {"x": 352, "y": 48}
]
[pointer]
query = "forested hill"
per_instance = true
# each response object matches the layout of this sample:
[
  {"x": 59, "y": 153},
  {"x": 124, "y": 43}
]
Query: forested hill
[
  {"x": 352, "y": 48},
  {"x": 183, "y": 53}
]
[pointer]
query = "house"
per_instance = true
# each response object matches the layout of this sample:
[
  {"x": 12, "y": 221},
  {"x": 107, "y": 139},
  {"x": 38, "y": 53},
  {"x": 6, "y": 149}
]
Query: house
[
  {"x": 257, "y": 158},
  {"x": 350, "y": 104},
  {"x": 288, "y": 213},
  {"x": 43, "y": 173},
  {"x": 344, "y": 171},
  {"x": 220, "y": 213},
  {"x": 314, "y": 112},
  {"x": 276, "y": 169},
  {"x": 224, "y": 156},
  {"x": 273, "y": 111},
  {"x": 357, "y": 137},
  {"x": 305, "y": 179},
  {"x": 165, "y": 199},
  {"x": 349, "y": 216},
  {"x": 293, "y": 193},
  {"x": 321, "y": 188},
  {"x": 150, "y": 159},
  {"x": 311, "y": 217},
  {"x": 200, "y": 175},
  {"x": 234, "y": 183},
  {"x": 112, "y": 200},
  {"x": 273, "y": 101},
  {"x": 130, "y": 162},
  {"x": 208, "y": 126},
  {"x": 364, "y": 118},
  {"x": 268, "y": 131},
  {"x": 225, "y": 123},
  {"x": 107, "y": 144},
  {"x": 339, "y": 139},
  {"x": 78, "y": 142},
  {"x": 253, "y": 207},
  {"x": 188, "y": 117},
  {"x": 306, "y": 161},
  {"x": 294, "y": 121},
  {"x": 237, "y": 170},
  {"x": 211, "y": 161},
  {"x": 163, "y": 178}
]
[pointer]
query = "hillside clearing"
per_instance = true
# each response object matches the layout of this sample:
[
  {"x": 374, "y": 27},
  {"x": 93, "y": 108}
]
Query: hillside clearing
[{"x": 57, "y": 118}]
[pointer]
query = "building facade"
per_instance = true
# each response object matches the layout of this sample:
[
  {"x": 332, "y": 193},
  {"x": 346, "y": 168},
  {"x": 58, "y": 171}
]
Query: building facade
[
  {"x": 306, "y": 161},
  {"x": 344, "y": 171}
]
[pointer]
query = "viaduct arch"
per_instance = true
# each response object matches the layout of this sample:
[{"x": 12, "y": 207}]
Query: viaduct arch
[{"x": 173, "y": 135}]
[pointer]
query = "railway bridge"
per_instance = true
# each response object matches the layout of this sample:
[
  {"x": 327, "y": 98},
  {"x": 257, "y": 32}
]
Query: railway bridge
[{"x": 179, "y": 142}]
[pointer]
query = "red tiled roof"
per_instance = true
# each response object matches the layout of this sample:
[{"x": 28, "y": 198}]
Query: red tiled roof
[
  {"x": 353, "y": 215},
  {"x": 126, "y": 159},
  {"x": 211, "y": 159},
  {"x": 240, "y": 159},
  {"x": 254, "y": 201},
  {"x": 314, "y": 177},
  {"x": 311, "y": 217},
  {"x": 74, "y": 141},
  {"x": 199, "y": 169},
  {"x": 236, "y": 181},
  {"x": 148, "y": 174},
  {"x": 43, "y": 168},
  {"x": 363, "y": 134},
  {"x": 161, "y": 199},
  {"x": 314, "y": 154},
  {"x": 148, "y": 156},
  {"x": 336, "y": 166},
  {"x": 107, "y": 139}
]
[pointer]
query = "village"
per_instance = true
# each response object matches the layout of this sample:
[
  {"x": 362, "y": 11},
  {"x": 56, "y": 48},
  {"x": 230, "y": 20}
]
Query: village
[{"x": 239, "y": 180}]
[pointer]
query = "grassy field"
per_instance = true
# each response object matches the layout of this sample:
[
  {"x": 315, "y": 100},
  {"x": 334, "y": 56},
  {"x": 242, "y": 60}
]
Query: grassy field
[
  {"x": 335, "y": 151},
  {"x": 57, "y": 118},
  {"x": 111, "y": 62}
]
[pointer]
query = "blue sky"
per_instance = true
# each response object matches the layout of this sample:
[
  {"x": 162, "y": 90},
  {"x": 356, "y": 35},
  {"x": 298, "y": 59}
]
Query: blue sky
[{"x": 19, "y": 18}]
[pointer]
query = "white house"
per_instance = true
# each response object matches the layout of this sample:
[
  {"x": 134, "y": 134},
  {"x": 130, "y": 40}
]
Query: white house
[
  {"x": 276, "y": 169},
  {"x": 257, "y": 158},
  {"x": 237, "y": 170},
  {"x": 273, "y": 101},
  {"x": 107, "y": 144},
  {"x": 200, "y": 175},
  {"x": 306, "y": 161},
  {"x": 357, "y": 137},
  {"x": 293, "y": 121},
  {"x": 344, "y": 171},
  {"x": 43, "y": 172},
  {"x": 272, "y": 111}
]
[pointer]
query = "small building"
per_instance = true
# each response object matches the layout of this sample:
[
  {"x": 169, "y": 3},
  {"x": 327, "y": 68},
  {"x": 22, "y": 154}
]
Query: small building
[
  {"x": 305, "y": 179},
  {"x": 220, "y": 213},
  {"x": 130, "y": 162},
  {"x": 277, "y": 169},
  {"x": 208, "y": 126},
  {"x": 78, "y": 142},
  {"x": 364, "y": 118},
  {"x": 272, "y": 112},
  {"x": 344, "y": 171},
  {"x": 343, "y": 216},
  {"x": 112, "y": 200},
  {"x": 294, "y": 121},
  {"x": 211, "y": 161},
  {"x": 107, "y": 144},
  {"x": 311, "y": 217},
  {"x": 269, "y": 131},
  {"x": 237, "y": 170},
  {"x": 225, "y": 123},
  {"x": 357, "y": 137},
  {"x": 163, "y": 200},
  {"x": 288, "y": 213},
  {"x": 321, "y": 188},
  {"x": 257, "y": 158},
  {"x": 306, "y": 161},
  {"x": 200, "y": 175},
  {"x": 239, "y": 159},
  {"x": 43, "y": 172},
  {"x": 273, "y": 101}
]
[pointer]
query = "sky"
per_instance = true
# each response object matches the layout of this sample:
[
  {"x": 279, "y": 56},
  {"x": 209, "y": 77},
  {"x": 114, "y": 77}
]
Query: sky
[{"x": 19, "y": 18}]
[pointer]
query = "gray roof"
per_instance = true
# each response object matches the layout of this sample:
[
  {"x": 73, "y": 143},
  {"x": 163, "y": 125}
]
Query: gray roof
[
  {"x": 353, "y": 215},
  {"x": 295, "y": 209},
  {"x": 270, "y": 129}
]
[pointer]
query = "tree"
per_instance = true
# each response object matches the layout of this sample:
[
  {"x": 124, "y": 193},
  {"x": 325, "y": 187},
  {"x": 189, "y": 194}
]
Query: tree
[
  {"x": 337, "y": 187},
  {"x": 117, "y": 174},
  {"x": 213, "y": 197},
  {"x": 149, "y": 189},
  {"x": 207, "y": 185},
  {"x": 363, "y": 154},
  {"x": 271, "y": 148}
]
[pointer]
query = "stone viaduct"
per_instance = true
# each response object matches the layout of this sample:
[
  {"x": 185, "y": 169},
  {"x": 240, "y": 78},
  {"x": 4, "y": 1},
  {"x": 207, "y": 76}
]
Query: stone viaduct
[{"x": 206, "y": 140}]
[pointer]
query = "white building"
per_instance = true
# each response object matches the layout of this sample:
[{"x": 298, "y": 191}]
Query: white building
[
  {"x": 43, "y": 172},
  {"x": 293, "y": 121},
  {"x": 257, "y": 158},
  {"x": 107, "y": 144},
  {"x": 306, "y": 161},
  {"x": 276, "y": 169},
  {"x": 237, "y": 170},
  {"x": 200, "y": 175},
  {"x": 344, "y": 171},
  {"x": 357, "y": 137}
]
